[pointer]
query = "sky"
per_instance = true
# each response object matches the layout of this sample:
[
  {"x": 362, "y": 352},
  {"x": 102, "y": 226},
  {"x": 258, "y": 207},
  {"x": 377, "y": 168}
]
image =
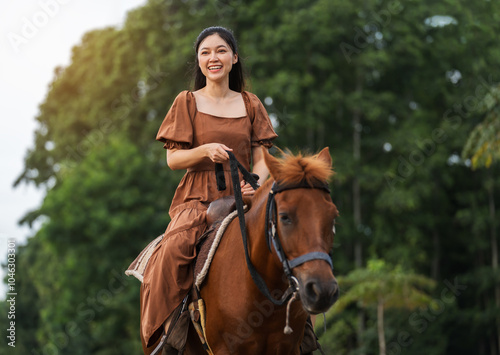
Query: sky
[{"x": 36, "y": 36}]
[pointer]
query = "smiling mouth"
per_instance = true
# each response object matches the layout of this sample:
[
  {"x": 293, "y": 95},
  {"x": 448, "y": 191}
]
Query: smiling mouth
[{"x": 215, "y": 67}]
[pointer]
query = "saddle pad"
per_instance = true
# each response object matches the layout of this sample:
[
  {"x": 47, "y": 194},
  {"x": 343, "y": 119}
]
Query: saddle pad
[
  {"x": 203, "y": 260},
  {"x": 208, "y": 249},
  {"x": 138, "y": 266}
]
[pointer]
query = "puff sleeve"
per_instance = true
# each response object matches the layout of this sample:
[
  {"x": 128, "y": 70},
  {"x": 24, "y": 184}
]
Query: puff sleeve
[
  {"x": 262, "y": 128},
  {"x": 176, "y": 130}
]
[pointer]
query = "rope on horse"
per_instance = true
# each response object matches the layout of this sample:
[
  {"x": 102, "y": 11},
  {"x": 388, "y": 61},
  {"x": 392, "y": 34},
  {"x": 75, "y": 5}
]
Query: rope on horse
[
  {"x": 218, "y": 236},
  {"x": 288, "y": 329}
]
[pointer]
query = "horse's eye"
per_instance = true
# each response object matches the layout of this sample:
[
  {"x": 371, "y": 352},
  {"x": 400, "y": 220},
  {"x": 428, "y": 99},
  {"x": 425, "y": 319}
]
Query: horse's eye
[{"x": 285, "y": 218}]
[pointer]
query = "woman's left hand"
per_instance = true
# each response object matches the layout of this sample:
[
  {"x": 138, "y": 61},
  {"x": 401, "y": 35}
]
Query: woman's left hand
[{"x": 246, "y": 188}]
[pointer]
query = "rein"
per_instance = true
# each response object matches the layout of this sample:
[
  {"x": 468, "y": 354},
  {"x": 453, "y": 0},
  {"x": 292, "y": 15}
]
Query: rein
[{"x": 271, "y": 230}]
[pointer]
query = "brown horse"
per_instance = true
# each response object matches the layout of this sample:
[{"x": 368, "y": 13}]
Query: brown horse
[{"x": 240, "y": 319}]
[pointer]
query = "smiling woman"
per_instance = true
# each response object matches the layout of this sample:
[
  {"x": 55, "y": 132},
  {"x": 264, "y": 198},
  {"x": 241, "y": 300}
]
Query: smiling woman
[
  {"x": 216, "y": 60},
  {"x": 198, "y": 130},
  {"x": 218, "y": 36},
  {"x": 215, "y": 57}
]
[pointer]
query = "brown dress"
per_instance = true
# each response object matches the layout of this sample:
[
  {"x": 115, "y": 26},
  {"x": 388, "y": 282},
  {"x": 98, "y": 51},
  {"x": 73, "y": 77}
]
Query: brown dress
[{"x": 169, "y": 276}]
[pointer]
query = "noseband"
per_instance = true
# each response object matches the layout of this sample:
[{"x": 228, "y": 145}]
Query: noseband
[{"x": 271, "y": 230}]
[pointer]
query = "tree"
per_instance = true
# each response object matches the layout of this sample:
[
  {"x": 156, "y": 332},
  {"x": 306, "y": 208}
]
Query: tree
[
  {"x": 383, "y": 287},
  {"x": 97, "y": 220},
  {"x": 27, "y": 319},
  {"x": 483, "y": 145},
  {"x": 483, "y": 149}
]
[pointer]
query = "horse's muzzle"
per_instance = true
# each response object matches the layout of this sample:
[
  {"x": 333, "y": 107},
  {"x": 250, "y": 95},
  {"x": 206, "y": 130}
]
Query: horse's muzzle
[{"x": 318, "y": 295}]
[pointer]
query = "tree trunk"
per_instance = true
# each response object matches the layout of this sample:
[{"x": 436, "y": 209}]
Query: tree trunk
[
  {"x": 494, "y": 247},
  {"x": 380, "y": 327},
  {"x": 356, "y": 189},
  {"x": 356, "y": 197},
  {"x": 437, "y": 255}
]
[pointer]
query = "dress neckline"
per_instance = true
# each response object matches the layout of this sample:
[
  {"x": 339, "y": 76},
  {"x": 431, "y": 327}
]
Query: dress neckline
[{"x": 216, "y": 116}]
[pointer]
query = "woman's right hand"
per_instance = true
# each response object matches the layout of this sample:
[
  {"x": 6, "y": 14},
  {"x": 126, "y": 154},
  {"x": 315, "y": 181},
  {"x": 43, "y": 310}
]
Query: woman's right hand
[{"x": 217, "y": 152}]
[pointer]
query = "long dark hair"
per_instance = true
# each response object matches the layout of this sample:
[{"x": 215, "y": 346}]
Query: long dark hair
[{"x": 236, "y": 76}]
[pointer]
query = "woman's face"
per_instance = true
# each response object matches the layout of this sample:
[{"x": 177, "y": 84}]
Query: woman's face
[{"x": 216, "y": 58}]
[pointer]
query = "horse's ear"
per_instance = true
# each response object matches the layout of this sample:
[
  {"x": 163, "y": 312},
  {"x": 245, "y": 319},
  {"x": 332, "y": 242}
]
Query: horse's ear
[
  {"x": 272, "y": 163},
  {"x": 324, "y": 156}
]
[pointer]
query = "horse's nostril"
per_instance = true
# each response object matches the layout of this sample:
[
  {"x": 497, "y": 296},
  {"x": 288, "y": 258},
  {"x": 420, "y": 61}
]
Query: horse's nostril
[
  {"x": 312, "y": 291},
  {"x": 318, "y": 296}
]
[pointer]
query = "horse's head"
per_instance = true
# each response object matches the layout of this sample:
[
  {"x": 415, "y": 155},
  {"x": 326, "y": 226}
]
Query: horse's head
[{"x": 305, "y": 223}]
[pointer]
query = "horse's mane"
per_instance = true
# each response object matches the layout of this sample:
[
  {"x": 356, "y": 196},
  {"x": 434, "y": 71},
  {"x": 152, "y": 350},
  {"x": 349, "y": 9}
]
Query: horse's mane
[
  {"x": 295, "y": 169},
  {"x": 299, "y": 168}
]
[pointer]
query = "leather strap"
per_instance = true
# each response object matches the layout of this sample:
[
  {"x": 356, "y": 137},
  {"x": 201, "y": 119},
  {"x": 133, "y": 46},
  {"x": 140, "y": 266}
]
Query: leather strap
[{"x": 271, "y": 231}]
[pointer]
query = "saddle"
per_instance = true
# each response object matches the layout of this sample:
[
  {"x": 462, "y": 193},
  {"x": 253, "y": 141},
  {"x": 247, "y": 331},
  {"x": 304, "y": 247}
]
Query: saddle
[
  {"x": 216, "y": 213},
  {"x": 219, "y": 209}
]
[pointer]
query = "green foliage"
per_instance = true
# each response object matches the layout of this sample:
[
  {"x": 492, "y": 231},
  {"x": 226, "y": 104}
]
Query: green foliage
[
  {"x": 414, "y": 83},
  {"x": 97, "y": 219},
  {"x": 27, "y": 301},
  {"x": 381, "y": 283},
  {"x": 483, "y": 144},
  {"x": 380, "y": 287}
]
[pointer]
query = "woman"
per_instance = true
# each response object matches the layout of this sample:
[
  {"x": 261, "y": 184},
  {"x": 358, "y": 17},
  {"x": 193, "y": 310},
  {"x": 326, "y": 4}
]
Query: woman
[{"x": 218, "y": 116}]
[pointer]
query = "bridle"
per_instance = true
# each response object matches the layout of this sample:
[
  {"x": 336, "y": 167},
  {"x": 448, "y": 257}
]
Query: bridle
[{"x": 271, "y": 230}]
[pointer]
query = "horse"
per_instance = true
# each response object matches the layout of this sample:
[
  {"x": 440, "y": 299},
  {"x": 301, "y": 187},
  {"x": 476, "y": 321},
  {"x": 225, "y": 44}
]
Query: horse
[{"x": 240, "y": 318}]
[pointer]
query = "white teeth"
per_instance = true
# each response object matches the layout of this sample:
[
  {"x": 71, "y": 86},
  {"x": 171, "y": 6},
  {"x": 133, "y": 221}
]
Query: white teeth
[{"x": 215, "y": 68}]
